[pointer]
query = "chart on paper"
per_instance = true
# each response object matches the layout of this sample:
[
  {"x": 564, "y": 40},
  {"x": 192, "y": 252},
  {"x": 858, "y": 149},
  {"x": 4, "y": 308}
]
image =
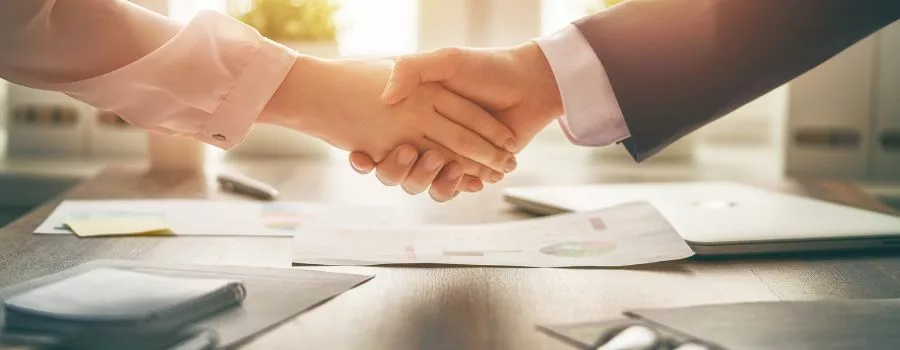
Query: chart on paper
[{"x": 629, "y": 234}]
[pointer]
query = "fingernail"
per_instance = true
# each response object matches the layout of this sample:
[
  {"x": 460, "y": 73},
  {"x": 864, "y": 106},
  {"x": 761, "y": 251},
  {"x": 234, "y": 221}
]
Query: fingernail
[
  {"x": 454, "y": 173},
  {"x": 475, "y": 185},
  {"x": 406, "y": 157},
  {"x": 496, "y": 177},
  {"x": 511, "y": 165},
  {"x": 432, "y": 162},
  {"x": 510, "y": 145}
]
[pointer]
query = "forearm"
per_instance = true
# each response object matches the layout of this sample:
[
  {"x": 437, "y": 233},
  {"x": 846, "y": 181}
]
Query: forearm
[
  {"x": 312, "y": 97},
  {"x": 57, "y": 41},
  {"x": 208, "y": 80},
  {"x": 676, "y": 65}
]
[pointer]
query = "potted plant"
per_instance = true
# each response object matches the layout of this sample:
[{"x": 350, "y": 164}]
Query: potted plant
[{"x": 307, "y": 26}]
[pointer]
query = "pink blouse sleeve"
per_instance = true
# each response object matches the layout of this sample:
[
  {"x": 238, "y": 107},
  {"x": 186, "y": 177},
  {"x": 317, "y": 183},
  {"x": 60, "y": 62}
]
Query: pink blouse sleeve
[{"x": 208, "y": 80}]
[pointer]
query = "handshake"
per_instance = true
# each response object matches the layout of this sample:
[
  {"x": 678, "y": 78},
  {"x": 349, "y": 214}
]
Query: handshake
[
  {"x": 448, "y": 120},
  {"x": 502, "y": 97}
]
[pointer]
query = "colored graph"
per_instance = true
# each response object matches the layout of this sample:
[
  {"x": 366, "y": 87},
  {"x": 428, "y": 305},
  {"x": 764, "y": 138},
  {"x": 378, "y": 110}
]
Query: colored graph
[
  {"x": 283, "y": 217},
  {"x": 480, "y": 252},
  {"x": 579, "y": 249}
]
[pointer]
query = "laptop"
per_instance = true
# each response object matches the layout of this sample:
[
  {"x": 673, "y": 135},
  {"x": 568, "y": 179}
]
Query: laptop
[{"x": 722, "y": 218}]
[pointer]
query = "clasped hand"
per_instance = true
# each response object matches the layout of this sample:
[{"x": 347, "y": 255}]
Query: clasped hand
[{"x": 506, "y": 88}]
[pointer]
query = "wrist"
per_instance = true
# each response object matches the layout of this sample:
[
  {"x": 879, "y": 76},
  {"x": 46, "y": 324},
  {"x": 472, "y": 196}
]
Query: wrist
[
  {"x": 544, "y": 87},
  {"x": 292, "y": 106}
]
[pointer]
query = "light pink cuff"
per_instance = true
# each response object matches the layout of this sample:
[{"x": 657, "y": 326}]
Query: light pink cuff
[
  {"x": 210, "y": 82},
  {"x": 592, "y": 114},
  {"x": 258, "y": 81}
]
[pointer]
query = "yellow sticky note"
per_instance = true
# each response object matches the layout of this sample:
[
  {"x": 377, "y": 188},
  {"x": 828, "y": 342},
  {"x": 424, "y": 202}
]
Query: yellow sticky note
[{"x": 121, "y": 226}]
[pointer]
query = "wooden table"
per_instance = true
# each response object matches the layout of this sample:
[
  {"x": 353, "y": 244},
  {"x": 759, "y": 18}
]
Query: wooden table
[{"x": 458, "y": 307}]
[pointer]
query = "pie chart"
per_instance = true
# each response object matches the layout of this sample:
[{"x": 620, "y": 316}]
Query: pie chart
[{"x": 579, "y": 249}]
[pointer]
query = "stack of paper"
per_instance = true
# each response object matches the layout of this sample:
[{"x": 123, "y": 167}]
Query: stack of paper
[{"x": 201, "y": 217}]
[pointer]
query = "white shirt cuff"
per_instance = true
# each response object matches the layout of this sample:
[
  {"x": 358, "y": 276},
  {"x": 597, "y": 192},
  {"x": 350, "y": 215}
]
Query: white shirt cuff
[{"x": 592, "y": 114}]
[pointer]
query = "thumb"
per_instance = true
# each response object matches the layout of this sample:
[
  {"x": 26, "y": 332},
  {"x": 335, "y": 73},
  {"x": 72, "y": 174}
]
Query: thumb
[
  {"x": 412, "y": 70},
  {"x": 403, "y": 81}
]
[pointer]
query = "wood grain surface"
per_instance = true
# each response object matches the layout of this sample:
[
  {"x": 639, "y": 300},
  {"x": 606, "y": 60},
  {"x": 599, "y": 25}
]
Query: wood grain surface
[{"x": 458, "y": 307}]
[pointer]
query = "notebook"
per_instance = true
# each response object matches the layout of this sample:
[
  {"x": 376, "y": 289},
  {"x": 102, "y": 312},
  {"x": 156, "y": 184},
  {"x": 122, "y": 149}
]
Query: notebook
[
  {"x": 273, "y": 295},
  {"x": 116, "y": 299}
]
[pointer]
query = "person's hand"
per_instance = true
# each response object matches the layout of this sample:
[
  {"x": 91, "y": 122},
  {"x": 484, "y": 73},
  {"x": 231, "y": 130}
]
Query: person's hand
[
  {"x": 338, "y": 101},
  {"x": 516, "y": 85}
]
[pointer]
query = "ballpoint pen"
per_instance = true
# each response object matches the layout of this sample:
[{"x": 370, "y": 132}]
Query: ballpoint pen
[
  {"x": 633, "y": 338},
  {"x": 692, "y": 346},
  {"x": 244, "y": 185}
]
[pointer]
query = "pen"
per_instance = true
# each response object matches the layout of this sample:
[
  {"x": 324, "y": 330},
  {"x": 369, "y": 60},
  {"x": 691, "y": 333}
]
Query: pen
[
  {"x": 692, "y": 346},
  {"x": 633, "y": 338},
  {"x": 241, "y": 184}
]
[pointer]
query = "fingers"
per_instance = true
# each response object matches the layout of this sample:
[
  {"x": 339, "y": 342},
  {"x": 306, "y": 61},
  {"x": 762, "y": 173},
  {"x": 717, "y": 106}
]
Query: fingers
[
  {"x": 411, "y": 70},
  {"x": 468, "y": 144},
  {"x": 471, "y": 184},
  {"x": 416, "y": 174},
  {"x": 394, "y": 169},
  {"x": 446, "y": 186},
  {"x": 474, "y": 118},
  {"x": 425, "y": 171},
  {"x": 470, "y": 167},
  {"x": 361, "y": 162}
]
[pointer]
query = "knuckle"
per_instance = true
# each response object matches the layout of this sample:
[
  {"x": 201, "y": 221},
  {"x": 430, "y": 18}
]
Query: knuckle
[{"x": 451, "y": 53}]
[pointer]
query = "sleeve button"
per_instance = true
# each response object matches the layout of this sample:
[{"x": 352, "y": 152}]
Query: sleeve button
[{"x": 220, "y": 137}]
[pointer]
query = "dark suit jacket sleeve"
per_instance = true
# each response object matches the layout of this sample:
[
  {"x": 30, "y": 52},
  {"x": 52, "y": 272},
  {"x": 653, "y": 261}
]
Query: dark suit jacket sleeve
[{"x": 676, "y": 65}]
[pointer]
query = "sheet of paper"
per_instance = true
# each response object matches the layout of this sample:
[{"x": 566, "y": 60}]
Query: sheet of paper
[
  {"x": 123, "y": 226},
  {"x": 274, "y": 295},
  {"x": 217, "y": 218},
  {"x": 629, "y": 234}
]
